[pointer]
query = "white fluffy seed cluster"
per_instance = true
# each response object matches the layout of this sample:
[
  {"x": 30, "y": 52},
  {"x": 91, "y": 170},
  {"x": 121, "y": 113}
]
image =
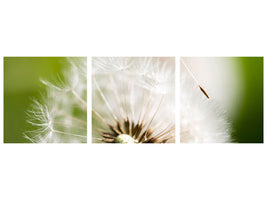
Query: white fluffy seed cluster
[
  {"x": 60, "y": 117},
  {"x": 140, "y": 89},
  {"x": 201, "y": 119}
]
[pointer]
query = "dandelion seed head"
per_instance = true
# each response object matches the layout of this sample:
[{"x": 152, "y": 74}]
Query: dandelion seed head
[
  {"x": 124, "y": 139},
  {"x": 128, "y": 100}
]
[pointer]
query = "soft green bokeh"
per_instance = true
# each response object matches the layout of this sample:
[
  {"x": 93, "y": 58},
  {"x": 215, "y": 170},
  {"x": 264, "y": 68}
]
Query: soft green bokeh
[
  {"x": 248, "y": 125},
  {"x": 22, "y": 84}
]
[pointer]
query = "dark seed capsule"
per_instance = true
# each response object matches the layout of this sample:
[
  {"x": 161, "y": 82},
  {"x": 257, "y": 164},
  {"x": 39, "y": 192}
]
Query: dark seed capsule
[{"x": 202, "y": 90}]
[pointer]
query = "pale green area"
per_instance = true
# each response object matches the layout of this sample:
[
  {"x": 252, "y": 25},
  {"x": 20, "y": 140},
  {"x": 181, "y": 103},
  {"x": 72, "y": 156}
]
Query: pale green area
[{"x": 21, "y": 84}]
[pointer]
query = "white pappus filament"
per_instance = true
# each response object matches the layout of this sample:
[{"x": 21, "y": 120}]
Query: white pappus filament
[
  {"x": 61, "y": 115},
  {"x": 201, "y": 119},
  {"x": 133, "y": 99}
]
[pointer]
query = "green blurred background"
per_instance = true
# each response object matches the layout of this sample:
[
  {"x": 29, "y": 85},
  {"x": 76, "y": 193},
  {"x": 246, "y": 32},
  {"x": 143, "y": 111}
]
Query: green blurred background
[
  {"x": 22, "y": 84},
  {"x": 247, "y": 127}
]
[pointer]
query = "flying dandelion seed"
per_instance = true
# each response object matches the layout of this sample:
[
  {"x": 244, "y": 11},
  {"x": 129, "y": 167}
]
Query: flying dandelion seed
[
  {"x": 201, "y": 119},
  {"x": 61, "y": 115},
  {"x": 133, "y": 100}
]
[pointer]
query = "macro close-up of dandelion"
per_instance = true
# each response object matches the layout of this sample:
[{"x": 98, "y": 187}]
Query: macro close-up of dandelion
[
  {"x": 60, "y": 117},
  {"x": 57, "y": 113},
  {"x": 216, "y": 99},
  {"x": 200, "y": 119},
  {"x": 133, "y": 99}
]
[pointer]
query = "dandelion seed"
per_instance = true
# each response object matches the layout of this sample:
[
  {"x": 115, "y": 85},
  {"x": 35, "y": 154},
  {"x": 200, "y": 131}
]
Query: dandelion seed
[
  {"x": 201, "y": 119},
  {"x": 133, "y": 100},
  {"x": 60, "y": 117}
]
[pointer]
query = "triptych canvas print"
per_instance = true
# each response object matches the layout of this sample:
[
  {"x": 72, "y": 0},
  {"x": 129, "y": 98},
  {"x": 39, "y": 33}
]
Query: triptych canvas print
[{"x": 133, "y": 100}]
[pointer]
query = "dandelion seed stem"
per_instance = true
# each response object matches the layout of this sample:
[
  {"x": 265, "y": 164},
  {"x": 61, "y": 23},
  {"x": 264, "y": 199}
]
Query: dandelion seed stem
[
  {"x": 155, "y": 113},
  {"x": 100, "y": 130},
  {"x": 148, "y": 105},
  {"x": 104, "y": 98},
  {"x": 77, "y": 119},
  {"x": 132, "y": 97},
  {"x": 194, "y": 78},
  {"x": 124, "y": 90},
  {"x": 70, "y": 134},
  {"x": 78, "y": 97},
  {"x": 116, "y": 94},
  {"x": 99, "y": 116},
  {"x": 165, "y": 131},
  {"x": 189, "y": 71},
  {"x": 60, "y": 123},
  {"x": 143, "y": 97}
]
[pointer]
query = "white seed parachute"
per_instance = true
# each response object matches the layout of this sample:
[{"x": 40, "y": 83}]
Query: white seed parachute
[
  {"x": 133, "y": 96},
  {"x": 201, "y": 119},
  {"x": 60, "y": 116}
]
